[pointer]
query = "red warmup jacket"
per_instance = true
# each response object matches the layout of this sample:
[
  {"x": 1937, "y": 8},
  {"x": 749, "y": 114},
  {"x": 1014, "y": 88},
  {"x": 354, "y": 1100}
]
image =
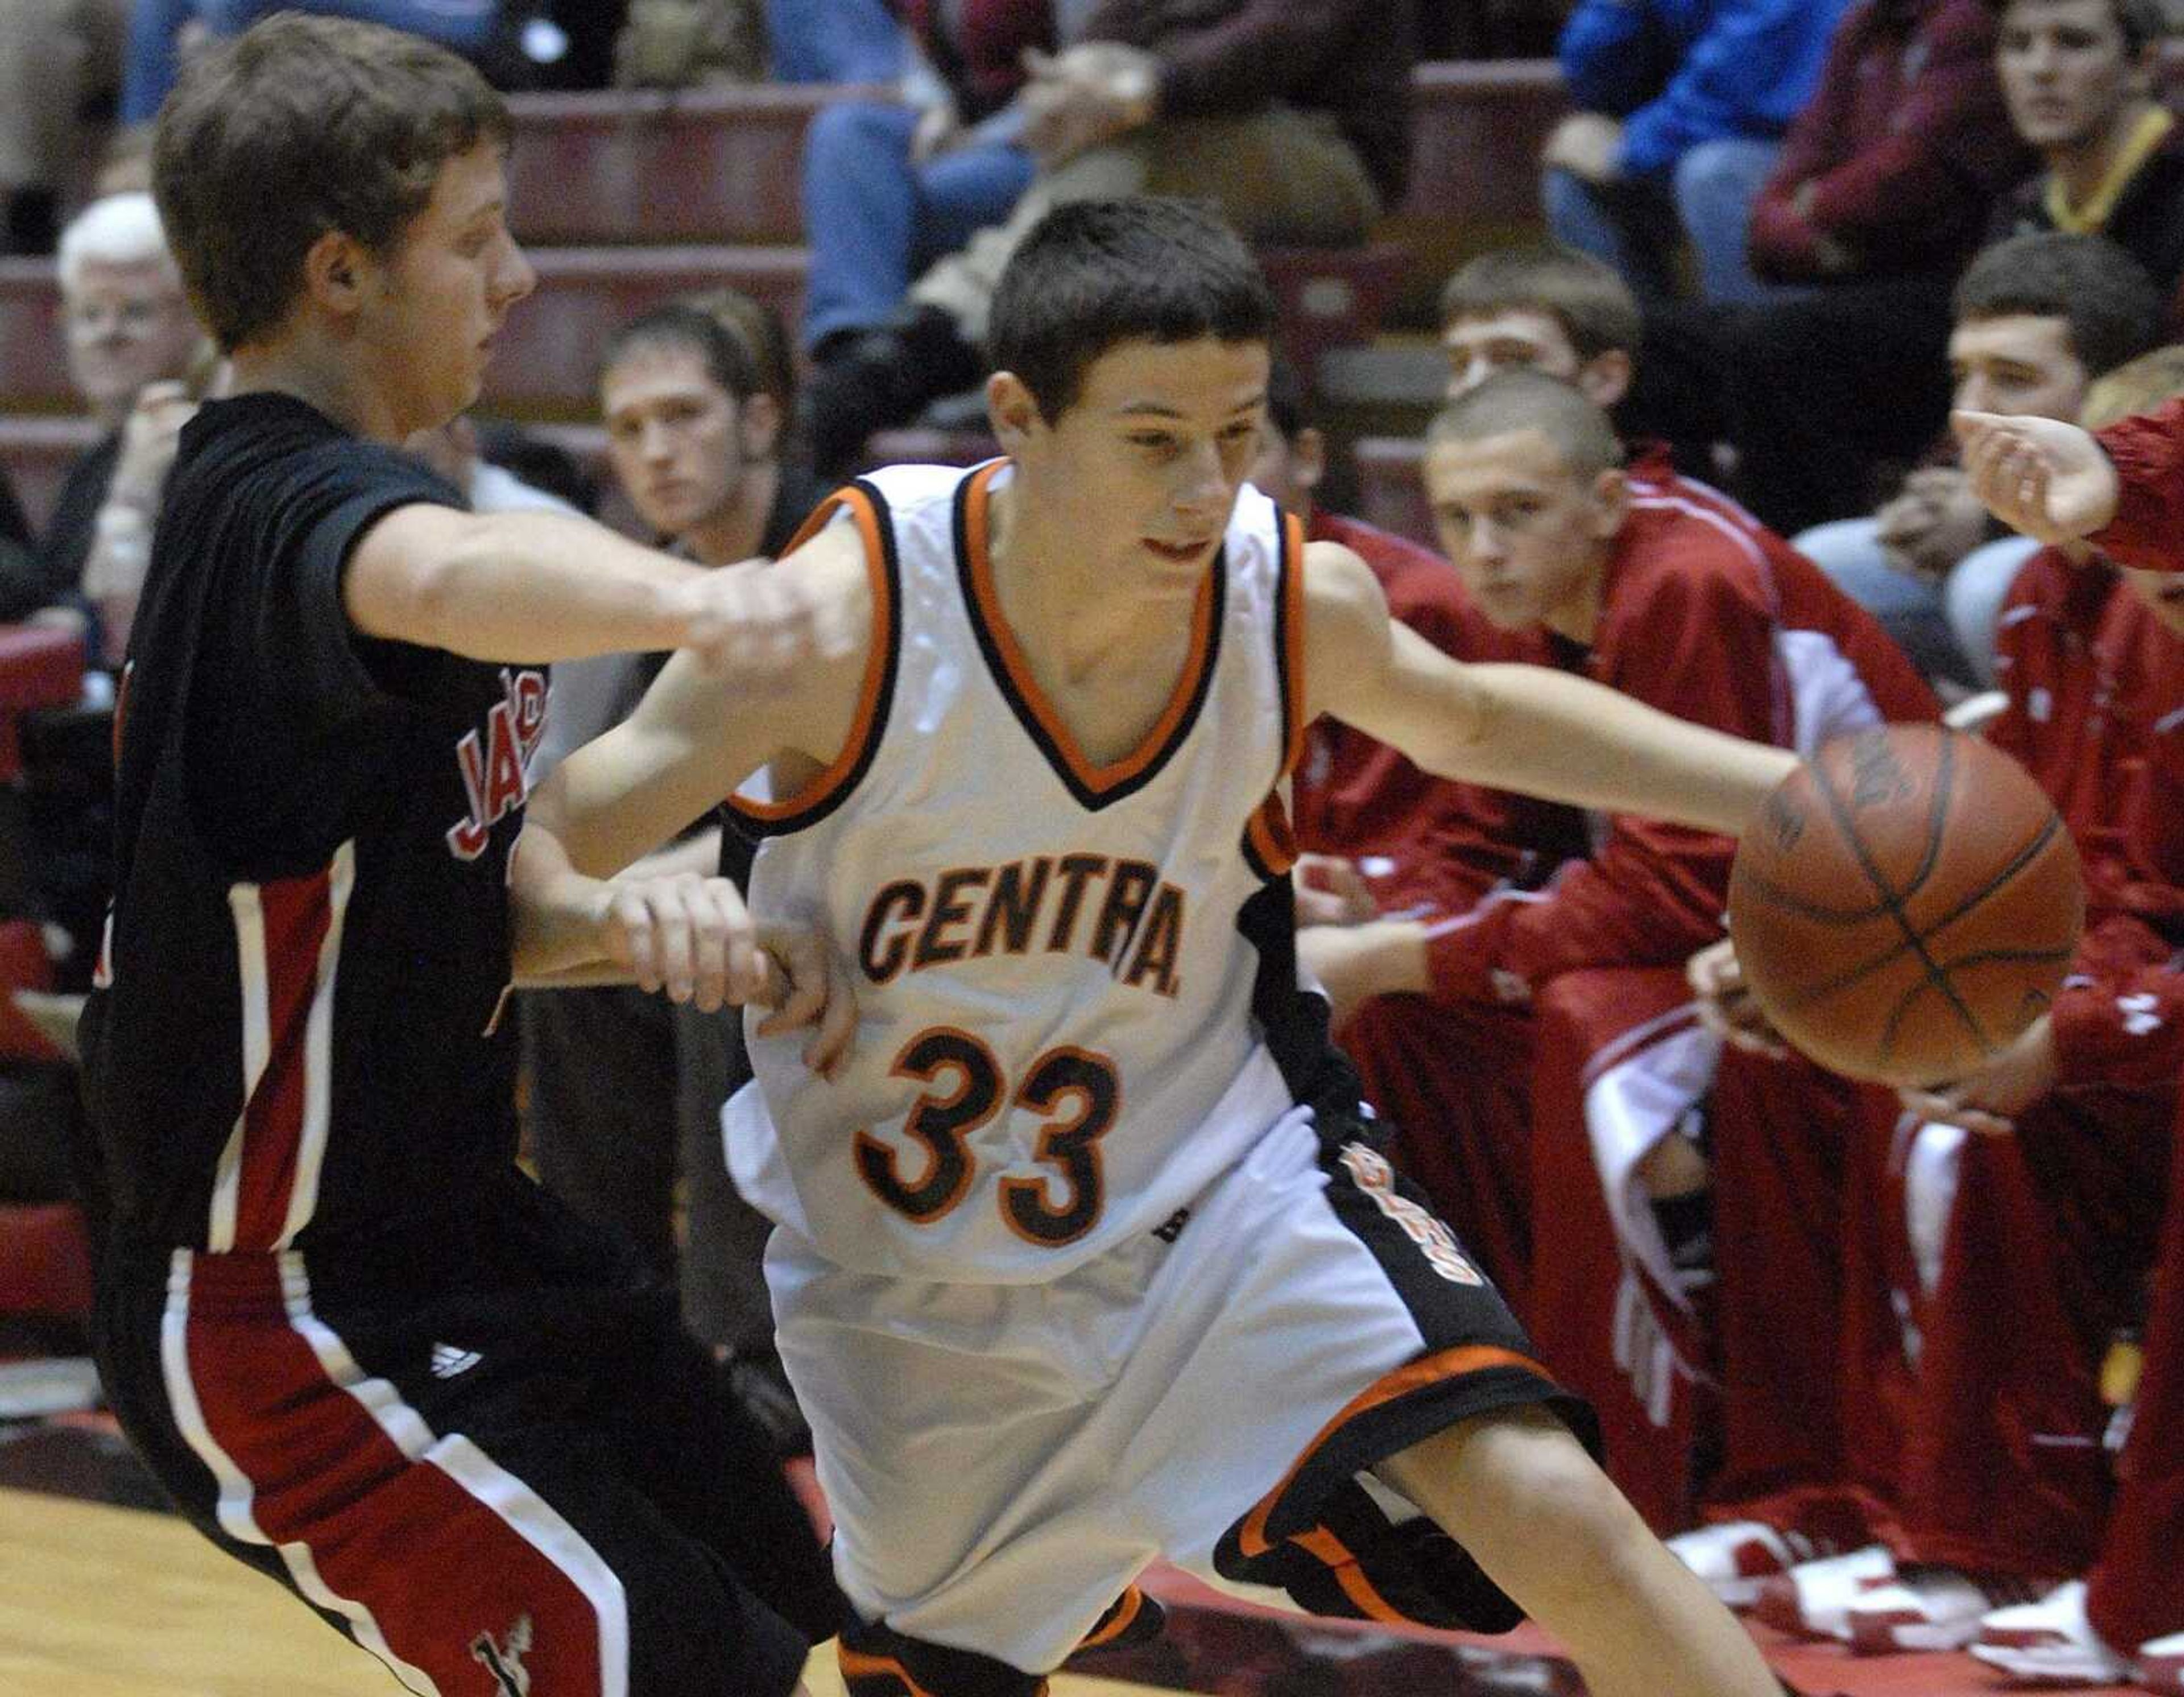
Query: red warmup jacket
[
  {"x": 1711, "y": 618},
  {"x": 1425, "y": 842},
  {"x": 2096, "y": 713},
  {"x": 1906, "y": 143},
  {"x": 2148, "y": 530}
]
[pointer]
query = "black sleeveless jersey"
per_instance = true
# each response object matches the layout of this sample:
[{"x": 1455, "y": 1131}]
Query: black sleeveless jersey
[{"x": 294, "y": 1040}]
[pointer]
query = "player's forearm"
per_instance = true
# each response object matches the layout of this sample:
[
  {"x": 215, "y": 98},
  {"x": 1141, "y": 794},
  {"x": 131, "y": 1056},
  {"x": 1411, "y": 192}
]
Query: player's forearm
[
  {"x": 535, "y": 586},
  {"x": 1547, "y": 734},
  {"x": 554, "y": 911}
]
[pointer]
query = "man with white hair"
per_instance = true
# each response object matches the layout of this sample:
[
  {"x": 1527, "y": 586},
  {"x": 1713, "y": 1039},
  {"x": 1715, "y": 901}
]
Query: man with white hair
[{"x": 140, "y": 360}]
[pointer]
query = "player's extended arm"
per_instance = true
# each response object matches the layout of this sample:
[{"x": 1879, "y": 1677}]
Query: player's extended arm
[
  {"x": 540, "y": 586},
  {"x": 2048, "y": 479},
  {"x": 1523, "y": 727},
  {"x": 701, "y": 730}
]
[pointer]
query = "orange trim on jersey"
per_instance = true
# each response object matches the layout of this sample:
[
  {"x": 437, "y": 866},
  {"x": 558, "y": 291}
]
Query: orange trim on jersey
[
  {"x": 1131, "y": 1605},
  {"x": 1093, "y": 777},
  {"x": 1273, "y": 844},
  {"x": 1449, "y": 1364},
  {"x": 1293, "y": 641},
  {"x": 856, "y": 1664},
  {"x": 875, "y": 662},
  {"x": 1335, "y": 1554}
]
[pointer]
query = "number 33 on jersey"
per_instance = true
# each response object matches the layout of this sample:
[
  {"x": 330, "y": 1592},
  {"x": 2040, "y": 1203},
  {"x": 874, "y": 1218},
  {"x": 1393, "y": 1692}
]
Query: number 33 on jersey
[{"x": 1066, "y": 971}]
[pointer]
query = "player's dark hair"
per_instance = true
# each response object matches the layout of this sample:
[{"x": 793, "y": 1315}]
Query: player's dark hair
[
  {"x": 678, "y": 324},
  {"x": 2142, "y": 21},
  {"x": 297, "y": 126},
  {"x": 1587, "y": 297},
  {"x": 1094, "y": 274},
  {"x": 2107, "y": 298},
  {"x": 1521, "y": 398}
]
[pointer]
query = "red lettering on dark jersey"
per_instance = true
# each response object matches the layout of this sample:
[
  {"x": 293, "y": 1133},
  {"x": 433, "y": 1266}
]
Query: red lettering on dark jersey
[{"x": 496, "y": 768}]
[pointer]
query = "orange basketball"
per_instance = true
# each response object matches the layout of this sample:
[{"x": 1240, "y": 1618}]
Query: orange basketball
[{"x": 1906, "y": 904}]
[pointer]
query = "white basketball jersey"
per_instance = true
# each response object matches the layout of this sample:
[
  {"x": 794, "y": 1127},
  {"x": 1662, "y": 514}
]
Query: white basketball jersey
[{"x": 1067, "y": 974}]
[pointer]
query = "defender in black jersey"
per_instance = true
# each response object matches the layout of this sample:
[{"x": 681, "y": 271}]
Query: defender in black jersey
[{"x": 367, "y": 1355}]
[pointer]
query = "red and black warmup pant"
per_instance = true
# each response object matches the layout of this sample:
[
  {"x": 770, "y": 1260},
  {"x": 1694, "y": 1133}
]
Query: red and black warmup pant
[{"x": 496, "y": 1457}]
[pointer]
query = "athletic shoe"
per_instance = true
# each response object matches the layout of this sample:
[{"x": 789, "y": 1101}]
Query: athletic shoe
[
  {"x": 2049, "y": 1642},
  {"x": 2160, "y": 1665},
  {"x": 1813, "y": 1600},
  {"x": 1734, "y": 1557},
  {"x": 1926, "y": 1608}
]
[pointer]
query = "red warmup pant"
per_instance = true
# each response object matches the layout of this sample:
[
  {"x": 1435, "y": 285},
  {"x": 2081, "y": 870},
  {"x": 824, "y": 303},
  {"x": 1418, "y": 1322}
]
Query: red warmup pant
[
  {"x": 1970, "y": 1418},
  {"x": 1736, "y": 1393},
  {"x": 1602, "y": 1327},
  {"x": 2136, "y": 1592},
  {"x": 1454, "y": 1079}
]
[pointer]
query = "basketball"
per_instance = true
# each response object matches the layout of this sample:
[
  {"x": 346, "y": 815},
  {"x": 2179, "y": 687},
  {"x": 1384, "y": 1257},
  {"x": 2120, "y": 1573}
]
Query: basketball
[{"x": 1906, "y": 904}]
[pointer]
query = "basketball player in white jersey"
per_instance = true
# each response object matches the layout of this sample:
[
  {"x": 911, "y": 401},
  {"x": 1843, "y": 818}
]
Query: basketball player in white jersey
[{"x": 1084, "y": 1254}]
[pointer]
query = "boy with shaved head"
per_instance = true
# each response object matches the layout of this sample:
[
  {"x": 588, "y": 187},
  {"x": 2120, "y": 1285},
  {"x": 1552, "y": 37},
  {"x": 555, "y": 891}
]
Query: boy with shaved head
[{"x": 1663, "y": 597}]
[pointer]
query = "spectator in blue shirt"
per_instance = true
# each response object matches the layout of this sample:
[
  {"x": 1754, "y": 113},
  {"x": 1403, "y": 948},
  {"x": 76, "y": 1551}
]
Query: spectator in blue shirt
[{"x": 1681, "y": 106}]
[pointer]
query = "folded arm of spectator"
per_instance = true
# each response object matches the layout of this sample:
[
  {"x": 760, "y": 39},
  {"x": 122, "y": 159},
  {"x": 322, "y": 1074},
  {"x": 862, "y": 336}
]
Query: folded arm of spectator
[{"x": 1947, "y": 146}]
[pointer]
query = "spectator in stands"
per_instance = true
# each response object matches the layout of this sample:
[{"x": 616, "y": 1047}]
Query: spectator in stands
[
  {"x": 891, "y": 186},
  {"x": 1547, "y": 308},
  {"x": 2078, "y": 76},
  {"x": 1883, "y": 189},
  {"x": 1996, "y": 1238},
  {"x": 139, "y": 359},
  {"x": 1681, "y": 110},
  {"x": 627, "y": 1088},
  {"x": 1571, "y": 316},
  {"x": 1679, "y": 602},
  {"x": 1295, "y": 121},
  {"x": 56, "y": 58},
  {"x": 2038, "y": 318},
  {"x": 159, "y": 28}
]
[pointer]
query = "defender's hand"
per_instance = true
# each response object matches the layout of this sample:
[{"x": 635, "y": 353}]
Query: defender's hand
[
  {"x": 687, "y": 935},
  {"x": 762, "y": 619}
]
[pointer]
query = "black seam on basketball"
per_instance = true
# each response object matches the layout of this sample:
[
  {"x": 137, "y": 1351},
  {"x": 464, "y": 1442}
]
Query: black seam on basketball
[
  {"x": 1777, "y": 896},
  {"x": 2016, "y": 864},
  {"x": 1979, "y": 958},
  {"x": 1944, "y": 774}
]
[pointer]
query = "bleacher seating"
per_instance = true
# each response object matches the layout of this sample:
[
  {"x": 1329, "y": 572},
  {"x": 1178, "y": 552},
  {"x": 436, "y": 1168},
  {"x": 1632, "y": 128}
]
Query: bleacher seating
[
  {"x": 720, "y": 164},
  {"x": 626, "y": 198}
]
